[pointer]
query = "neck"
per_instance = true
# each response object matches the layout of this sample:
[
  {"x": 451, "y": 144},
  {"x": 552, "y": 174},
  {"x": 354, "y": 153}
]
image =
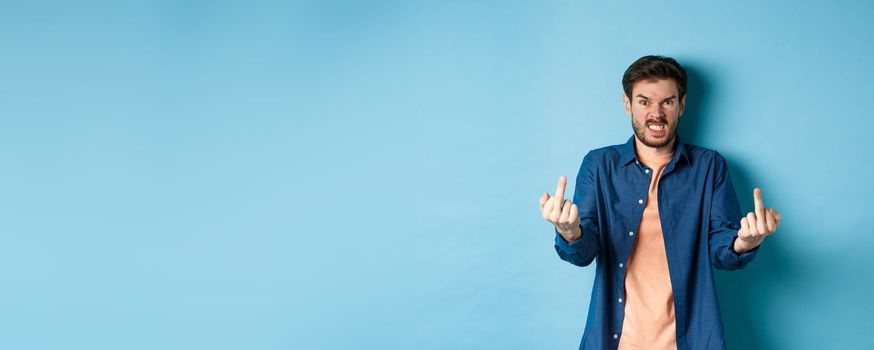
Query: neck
[{"x": 662, "y": 151}]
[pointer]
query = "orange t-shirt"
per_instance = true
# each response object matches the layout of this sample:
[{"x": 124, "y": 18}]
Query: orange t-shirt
[{"x": 649, "y": 306}]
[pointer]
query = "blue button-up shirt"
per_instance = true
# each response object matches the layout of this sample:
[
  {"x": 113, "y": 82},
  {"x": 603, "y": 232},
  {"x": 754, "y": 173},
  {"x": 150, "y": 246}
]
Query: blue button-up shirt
[{"x": 700, "y": 217}]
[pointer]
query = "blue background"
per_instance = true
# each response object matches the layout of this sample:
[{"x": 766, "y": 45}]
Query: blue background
[{"x": 338, "y": 175}]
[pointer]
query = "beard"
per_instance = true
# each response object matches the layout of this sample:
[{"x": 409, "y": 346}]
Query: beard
[{"x": 641, "y": 132}]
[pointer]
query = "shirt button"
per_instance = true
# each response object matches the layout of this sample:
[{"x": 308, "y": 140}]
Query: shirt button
[
  {"x": 646, "y": 171},
  {"x": 631, "y": 233},
  {"x": 640, "y": 201},
  {"x": 615, "y": 336},
  {"x": 620, "y": 300},
  {"x": 620, "y": 265}
]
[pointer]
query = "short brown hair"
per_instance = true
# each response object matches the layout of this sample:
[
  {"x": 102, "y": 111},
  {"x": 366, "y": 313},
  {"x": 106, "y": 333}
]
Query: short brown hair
[{"x": 652, "y": 68}]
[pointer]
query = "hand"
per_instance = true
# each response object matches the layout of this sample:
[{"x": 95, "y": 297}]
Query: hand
[
  {"x": 756, "y": 225},
  {"x": 561, "y": 213}
]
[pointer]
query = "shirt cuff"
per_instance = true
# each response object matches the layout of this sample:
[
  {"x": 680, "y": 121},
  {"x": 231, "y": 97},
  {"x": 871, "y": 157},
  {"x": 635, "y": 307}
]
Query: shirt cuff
[
  {"x": 744, "y": 257},
  {"x": 564, "y": 245}
]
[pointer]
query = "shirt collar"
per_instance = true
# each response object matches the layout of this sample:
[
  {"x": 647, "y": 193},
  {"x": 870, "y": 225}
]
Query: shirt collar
[{"x": 627, "y": 154}]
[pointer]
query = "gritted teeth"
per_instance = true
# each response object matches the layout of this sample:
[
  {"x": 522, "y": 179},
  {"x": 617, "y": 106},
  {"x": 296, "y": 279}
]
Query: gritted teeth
[{"x": 656, "y": 127}]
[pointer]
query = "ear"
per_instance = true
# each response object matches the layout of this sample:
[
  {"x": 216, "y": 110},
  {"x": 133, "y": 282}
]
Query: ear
[
  {"x": 682, "y": 106},
  {"x": 627, "y": 103}
]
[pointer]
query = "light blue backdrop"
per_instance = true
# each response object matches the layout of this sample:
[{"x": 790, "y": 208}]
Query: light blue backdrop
[{"x": 365, "y": 175}]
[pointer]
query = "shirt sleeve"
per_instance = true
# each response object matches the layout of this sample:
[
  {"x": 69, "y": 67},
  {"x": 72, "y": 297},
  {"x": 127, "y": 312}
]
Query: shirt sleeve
[
  {"x": 584, "y": 250},
  {"x": 725, "y": 216}
]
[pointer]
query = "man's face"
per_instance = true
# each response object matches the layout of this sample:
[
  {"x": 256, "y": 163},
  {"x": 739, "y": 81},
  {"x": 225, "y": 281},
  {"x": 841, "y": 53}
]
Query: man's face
[{"x": 655, "y": 109}]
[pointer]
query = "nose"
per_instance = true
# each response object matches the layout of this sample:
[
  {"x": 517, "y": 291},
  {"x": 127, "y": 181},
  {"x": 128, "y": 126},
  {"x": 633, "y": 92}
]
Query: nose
[{"x": 658, "y": 110}]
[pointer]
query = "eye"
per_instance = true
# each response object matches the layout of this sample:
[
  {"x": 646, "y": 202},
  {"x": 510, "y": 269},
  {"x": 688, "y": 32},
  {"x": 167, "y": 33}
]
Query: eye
[
  {"x": 643, "y": 102},
  {"x": 669, "y": 102}
]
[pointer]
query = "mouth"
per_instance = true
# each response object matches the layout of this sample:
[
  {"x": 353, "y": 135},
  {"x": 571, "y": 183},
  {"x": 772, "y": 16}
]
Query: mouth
[{"x": 657, "y": 129}]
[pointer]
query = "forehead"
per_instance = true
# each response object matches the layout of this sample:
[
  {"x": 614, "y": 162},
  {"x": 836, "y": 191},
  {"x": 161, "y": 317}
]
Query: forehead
[{"x": 655, "y": 88}]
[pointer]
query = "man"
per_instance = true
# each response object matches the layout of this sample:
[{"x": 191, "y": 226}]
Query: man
[{"x": 658, "y": 214}]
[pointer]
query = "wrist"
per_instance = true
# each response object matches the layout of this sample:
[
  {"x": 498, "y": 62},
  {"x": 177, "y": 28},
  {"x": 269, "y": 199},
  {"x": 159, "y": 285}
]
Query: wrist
[
  {"x": 741, "y": 246},
  {"x": 571, "y": 236}
]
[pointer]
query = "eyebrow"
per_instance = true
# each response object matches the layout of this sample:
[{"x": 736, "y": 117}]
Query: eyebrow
[{"x": 647, "y": 98}]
